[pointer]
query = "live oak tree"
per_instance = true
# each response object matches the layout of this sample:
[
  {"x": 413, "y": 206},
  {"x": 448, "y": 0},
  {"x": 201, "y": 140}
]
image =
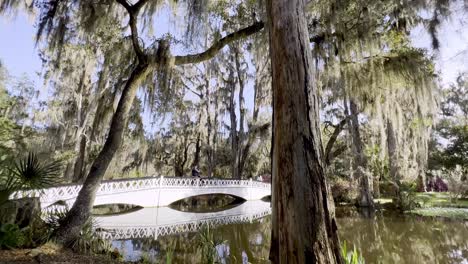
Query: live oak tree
[{"x": 148, "y": 64}]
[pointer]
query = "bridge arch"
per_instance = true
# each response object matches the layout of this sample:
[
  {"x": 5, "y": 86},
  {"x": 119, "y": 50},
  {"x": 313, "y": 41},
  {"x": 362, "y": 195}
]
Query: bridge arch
[{"x": 153, "y": 191}]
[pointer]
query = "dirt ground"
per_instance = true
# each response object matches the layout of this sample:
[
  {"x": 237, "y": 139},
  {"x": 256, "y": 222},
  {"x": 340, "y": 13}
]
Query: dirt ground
[{"x": 50, "y": 255}]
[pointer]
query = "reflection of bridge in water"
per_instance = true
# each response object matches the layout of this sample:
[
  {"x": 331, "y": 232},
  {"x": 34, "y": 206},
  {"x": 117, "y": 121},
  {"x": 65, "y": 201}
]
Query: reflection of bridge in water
[
  {"x": 162, "y": 221},
  {"x": 152, "y": 191}
]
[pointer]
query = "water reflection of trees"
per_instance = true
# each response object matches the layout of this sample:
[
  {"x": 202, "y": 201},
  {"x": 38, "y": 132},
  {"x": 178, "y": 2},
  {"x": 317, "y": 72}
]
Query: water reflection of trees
[
  {"x": 396, "y": 239},
  {"x": 251, "y": 238},
  {"x": 382, "y": 239}
]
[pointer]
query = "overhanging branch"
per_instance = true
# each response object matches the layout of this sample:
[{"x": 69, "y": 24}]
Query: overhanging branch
[
  {"x": 217, "y": 46},
  {"x": 328, "y": 149}
]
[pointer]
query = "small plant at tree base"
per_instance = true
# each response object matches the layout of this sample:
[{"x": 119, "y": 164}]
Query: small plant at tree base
[
  {"x": 11, "y": 236},
  {"x": 87, "y": 242},
  {"x": 351, "y": 257}
]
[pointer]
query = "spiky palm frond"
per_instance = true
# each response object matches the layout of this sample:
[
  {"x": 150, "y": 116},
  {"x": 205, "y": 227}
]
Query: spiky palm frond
[
  {"x": 34, "y": 174},
  {"x": 8, "y": 183}
]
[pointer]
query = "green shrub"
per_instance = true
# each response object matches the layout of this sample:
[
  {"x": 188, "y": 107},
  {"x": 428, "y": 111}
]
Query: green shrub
[
  {"x": 11, "y": 236},
  {"x": 406, "y": 198}
]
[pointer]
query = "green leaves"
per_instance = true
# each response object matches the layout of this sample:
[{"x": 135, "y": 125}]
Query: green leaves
[
  {"x": 27, "y": 173},
  {"x": 207, "y": 243},
  {"x": 34, "y": 174},
  {"x": 351, "y": 257},
  {"x": 11, "y": 236}
]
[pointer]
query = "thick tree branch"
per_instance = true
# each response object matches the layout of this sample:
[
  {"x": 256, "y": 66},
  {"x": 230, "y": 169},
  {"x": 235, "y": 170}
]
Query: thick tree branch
[
  {"x": 213, "y": 50},
  {"x": 133, "y": 11},
  {"x": 328, "y": 149},
  {"x": 137, "y": 6}
]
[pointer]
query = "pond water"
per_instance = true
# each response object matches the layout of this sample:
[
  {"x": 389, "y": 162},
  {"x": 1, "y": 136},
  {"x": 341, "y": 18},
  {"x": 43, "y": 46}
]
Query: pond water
[{"x": 242, "y": 233}]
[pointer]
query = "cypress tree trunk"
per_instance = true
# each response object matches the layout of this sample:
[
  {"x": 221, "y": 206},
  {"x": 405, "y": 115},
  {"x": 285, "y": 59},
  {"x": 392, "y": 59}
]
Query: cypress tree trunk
[
  {"x": 70, "y": 227},
  {"x": 233, "y": 129},
  {"x": 304, "y": 228},
  {"x": 196, "y": 156},
  {"x": 80, "y": 160},
  {"x": 393, "y": 158},
  {"x": 241, "y": 137},
  {"x": 360, "y": 161}
]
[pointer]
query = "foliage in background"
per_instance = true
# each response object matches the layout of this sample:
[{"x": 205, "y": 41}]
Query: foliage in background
[
  {"x": 457, "y": 179},
  {"x": 11, "y": 236},
  {"x": 449, "y": 145}
]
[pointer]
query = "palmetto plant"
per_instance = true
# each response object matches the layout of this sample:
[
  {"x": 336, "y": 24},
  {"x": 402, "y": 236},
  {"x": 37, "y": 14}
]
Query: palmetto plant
[
  {"x": 35, "y": 174},
  {"x": 27, "y": 173}
]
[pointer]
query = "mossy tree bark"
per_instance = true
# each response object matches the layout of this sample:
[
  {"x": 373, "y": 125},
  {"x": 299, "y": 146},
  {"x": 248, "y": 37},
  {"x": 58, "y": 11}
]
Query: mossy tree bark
[
  {"x": 304, "y": 228},
  {"x": 365, "y": 198},
  {"x": 393, "y": 159}
]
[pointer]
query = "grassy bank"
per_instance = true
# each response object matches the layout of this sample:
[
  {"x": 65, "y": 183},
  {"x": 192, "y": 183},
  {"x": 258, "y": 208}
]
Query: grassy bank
[{"x": 435, "y": 204}]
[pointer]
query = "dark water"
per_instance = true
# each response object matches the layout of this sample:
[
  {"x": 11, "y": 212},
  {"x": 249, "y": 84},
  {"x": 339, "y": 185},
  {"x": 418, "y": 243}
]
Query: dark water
[{"x": 381, "y": 238}]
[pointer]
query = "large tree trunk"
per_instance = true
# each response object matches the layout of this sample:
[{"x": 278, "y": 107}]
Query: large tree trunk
[
  {"x": 78, "y": 215},
  {"x": 78, "y": 170},
  {"x": 304, "y": 228},
  {"x": 209, "y": 149},
  {"x": 365, "y": 198},
  {"x": 393, "y": 159},
  {"x": 241, "y": 138},
  {"x": 196, "y": 155},
  {"x": 233, "y": 129}
]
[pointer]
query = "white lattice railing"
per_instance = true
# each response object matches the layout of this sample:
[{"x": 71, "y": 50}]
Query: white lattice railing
[
  {"x": 66, "y": 192},
  {"x": 192, "y": 226}
]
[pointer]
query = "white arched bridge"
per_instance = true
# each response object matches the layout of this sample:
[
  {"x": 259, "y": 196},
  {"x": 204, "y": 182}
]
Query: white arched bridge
[{"x": 152, "y": 191}]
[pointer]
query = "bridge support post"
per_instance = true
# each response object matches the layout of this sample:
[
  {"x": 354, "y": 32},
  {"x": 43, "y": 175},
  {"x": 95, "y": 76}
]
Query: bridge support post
[
  {"x": 250, "y": 188},
  {"x": 161, "y": 180}
]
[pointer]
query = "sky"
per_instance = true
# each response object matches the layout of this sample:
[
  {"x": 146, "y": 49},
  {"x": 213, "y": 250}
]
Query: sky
[
  {"x": 452, "y": 57},
  {"x": 17, "y": 47}
]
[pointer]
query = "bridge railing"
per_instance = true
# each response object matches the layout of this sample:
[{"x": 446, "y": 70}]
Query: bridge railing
[{"x": 70, "y": 191}]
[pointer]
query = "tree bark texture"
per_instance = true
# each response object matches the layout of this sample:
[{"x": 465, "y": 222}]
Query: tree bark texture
[
  {"x": 360, "y": 161},
  {"x": 233, "y": 135},
  {"x": 304, "y": 229},
  {"x": 393, "y": 158},
  {"x": 78, "y": 170}
]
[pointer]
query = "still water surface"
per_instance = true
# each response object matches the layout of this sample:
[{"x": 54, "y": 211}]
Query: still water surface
[{"x": 242, "y": 234}]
